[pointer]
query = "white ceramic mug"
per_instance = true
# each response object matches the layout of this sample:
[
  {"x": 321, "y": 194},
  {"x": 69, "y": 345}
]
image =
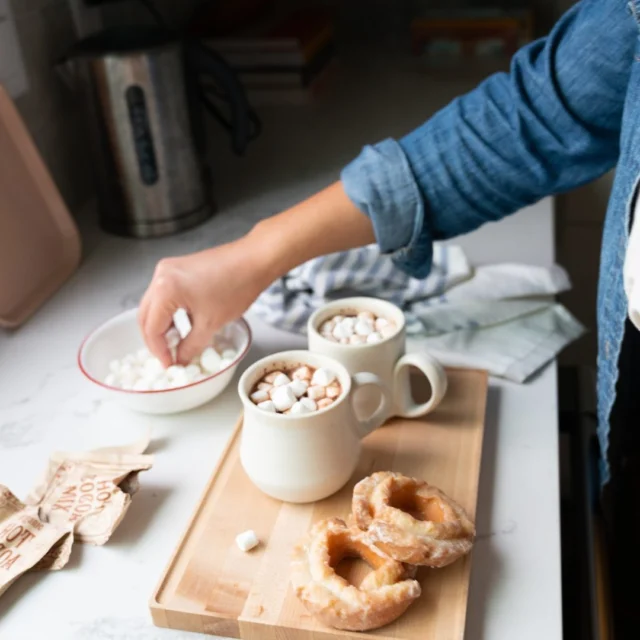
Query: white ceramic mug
[
  {"x": 308, "y": 457},
  {"x": 387, "y": 359}
]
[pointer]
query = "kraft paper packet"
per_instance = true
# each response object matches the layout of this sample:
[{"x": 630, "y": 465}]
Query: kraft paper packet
[
  {"x": 90, "y": 492},
  {"x": 25, "y": 540},
  {"x": 82, "y": 496}
]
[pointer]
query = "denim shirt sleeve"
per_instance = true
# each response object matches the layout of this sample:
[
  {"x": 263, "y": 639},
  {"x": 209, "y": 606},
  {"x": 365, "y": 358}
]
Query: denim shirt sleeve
[{"x": 551, "y": 124}]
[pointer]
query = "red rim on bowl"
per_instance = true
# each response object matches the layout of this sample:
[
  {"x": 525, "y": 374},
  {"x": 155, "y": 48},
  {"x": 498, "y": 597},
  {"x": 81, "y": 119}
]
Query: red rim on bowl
[{"x": 237, "y": 359}]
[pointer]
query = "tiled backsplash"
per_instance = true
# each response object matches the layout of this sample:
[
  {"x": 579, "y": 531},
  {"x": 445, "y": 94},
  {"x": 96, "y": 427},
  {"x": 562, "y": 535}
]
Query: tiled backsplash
[{"x": 52, "y": 113}]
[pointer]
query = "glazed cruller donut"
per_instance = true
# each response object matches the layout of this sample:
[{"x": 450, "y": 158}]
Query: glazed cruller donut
[
  {"x": 384, "y": 594},
  {"x": 384, "y": 505}
]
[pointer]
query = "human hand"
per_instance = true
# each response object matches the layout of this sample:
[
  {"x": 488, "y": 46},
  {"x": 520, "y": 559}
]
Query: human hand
[{"x": 215, "y": 286}]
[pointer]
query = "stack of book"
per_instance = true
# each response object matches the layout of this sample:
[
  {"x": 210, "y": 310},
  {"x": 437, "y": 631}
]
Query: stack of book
[{"x": 283, "y": 62}]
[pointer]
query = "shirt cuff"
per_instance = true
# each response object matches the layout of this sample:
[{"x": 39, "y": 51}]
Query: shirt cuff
[{"x": 381, "y": 184}]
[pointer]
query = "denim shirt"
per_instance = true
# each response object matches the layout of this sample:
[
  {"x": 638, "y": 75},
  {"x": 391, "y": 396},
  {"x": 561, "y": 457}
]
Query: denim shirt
[{"x": 567, "y": 112}]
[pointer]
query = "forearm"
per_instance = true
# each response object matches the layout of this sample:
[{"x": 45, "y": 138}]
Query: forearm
[{"x": 324, "y": 223}]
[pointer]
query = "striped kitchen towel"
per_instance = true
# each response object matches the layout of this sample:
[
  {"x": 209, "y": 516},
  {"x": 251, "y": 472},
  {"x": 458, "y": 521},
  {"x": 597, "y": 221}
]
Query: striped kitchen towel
[{"x": 496, "y": 317}]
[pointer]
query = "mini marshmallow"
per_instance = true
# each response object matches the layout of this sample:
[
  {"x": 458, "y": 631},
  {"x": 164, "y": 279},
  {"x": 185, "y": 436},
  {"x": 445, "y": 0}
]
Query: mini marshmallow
[
  {"x": 261, "y": 395},
  {"x": 333, "y": 391},
  {"x": 114, "y": 366},
  {"x": 128, "y": 379},
  {"x": 247, "y": 540},
  {"x": 229, "y": 354},
  {"x": 281, "y": 380},
  {"x": 283, "y": 398},
  {"x": 356, "y": 339},
  {"x": 182, "y": 323},
  {"x": 172, "y": 338},
  {"x": 270, "y": 377},
  {"x": 342, "y": 331},
  {"x": 141, "y": 385},
  {"x": 316, "y": 393},
  {"x": 142, "y": 355},
  {"x": 210, "y": 360},
  {"x": 299, "y": 387},
  {"x": 160, "y": 384},
  {"x": 178, "y": 377},
  {"x": 299, "y": 408},
  {"x": 363, "y": 328},
  {"x": 111, "y": 380},
  {"x": 327, "y": 327},
  {"x": 388, "y": 331},
  {"x": 349, "y": 323},
  {"x": 338, "y": 319},
  {"x": 264, "y": 386},
  {"x": 309, "y": 404},
  {"x": 192, "y": 372},
  {"x": 380, "y": 323},
  {"x": 374, "y": 337},
  {"x": 324, "y": 403},
  {"x": 367, "y": 316},
  {"x": 224, "y": 363},
  {"x": 323, "y": 376},
  {"x": 302, "y": 373},
  {"x": 153, "y": 367},
  {"x": 267, "y": 405}
]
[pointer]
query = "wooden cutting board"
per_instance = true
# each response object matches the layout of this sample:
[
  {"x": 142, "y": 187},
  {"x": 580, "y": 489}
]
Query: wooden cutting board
[
  {"x": 210, "y": 586},
  {"x": 39, "y": 242}
]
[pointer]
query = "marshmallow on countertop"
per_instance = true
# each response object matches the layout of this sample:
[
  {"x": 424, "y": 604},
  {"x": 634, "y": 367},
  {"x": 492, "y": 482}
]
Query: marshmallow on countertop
[{"x": 247, "y": 540}]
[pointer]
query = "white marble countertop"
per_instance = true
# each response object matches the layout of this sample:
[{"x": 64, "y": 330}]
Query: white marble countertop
[{"x": 45, "y": 405}]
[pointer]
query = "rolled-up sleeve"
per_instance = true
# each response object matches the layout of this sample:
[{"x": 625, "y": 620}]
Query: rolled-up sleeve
[
  {"x": 551, "y": 124},
  {"x": 380, "y": 183}
]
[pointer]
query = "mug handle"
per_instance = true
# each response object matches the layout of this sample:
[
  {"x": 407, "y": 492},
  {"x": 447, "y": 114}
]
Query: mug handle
[
  {"x": 379, "y": 416},
  {"x": 405, "y": 406}
]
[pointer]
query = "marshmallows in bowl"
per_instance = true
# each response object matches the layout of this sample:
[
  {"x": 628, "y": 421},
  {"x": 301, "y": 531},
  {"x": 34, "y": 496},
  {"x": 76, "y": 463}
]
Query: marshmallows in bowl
[
  {"x": 116, "y": 348},
  {"x": 140, "y": 371}
]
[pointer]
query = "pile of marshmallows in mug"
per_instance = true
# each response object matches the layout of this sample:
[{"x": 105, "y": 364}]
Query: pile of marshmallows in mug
[
  {"x": 304, "y": 390},
  {"x": 364, "y": 328}
]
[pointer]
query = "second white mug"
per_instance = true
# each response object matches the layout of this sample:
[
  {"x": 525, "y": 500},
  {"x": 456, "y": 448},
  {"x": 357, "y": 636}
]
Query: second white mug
[{"x": 387, "y": 359}]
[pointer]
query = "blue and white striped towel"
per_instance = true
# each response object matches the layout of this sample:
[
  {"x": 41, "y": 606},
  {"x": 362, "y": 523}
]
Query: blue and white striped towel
[{"x": 495, "y": 317}]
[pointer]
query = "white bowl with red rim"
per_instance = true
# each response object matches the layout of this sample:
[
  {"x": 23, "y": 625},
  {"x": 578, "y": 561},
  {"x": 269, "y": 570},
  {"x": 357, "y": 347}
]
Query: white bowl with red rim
[{"x": 121, "y": 335}]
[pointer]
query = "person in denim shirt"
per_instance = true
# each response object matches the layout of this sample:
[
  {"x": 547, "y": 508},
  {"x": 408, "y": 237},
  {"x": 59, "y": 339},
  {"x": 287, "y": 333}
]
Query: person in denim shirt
[{"x": 567, "y": 112}]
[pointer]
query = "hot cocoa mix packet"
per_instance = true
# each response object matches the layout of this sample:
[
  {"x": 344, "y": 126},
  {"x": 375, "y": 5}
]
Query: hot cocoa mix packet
[
  {"x": 25, "y": 540},
  {"x": 82, "y": 496},
  {"x": 90, "y": 492}
]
